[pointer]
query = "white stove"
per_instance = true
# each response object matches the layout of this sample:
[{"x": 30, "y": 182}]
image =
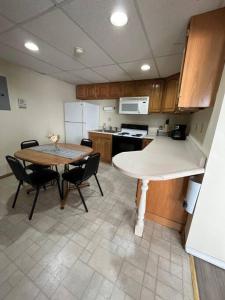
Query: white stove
[
  {"x": 134, "y": 133},
  {"x": 130, "y": 138}
]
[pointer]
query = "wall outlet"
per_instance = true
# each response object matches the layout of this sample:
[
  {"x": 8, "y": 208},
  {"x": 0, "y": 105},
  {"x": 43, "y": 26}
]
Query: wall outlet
[{"x": 22, "y": 103}]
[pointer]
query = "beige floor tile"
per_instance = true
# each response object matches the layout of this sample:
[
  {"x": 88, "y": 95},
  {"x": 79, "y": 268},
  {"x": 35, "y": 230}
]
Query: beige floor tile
[
  {"x": 106, "y": 263},
  {"x": 69, "y": 254},
  {"x": 129, "y": 285},
  {"x": 26, "y": 290},
  {"x": 78, "y": 279},
  {"x": 149, "y": 282},
  {"x": 132, "y": 272},
  {"x": 167, "y": 293},
  {"x": 147, "y": 294},
  {"x": 169, "y": 279},
  {"x": 152, "y": 264}
]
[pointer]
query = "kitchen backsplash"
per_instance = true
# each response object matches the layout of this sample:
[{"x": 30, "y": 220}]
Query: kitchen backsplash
[{"x": 114, "y": 119}]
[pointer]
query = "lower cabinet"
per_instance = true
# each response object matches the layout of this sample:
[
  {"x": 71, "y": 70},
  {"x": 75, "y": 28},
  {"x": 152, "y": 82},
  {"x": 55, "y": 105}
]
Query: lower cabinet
[
  {"x": 146, "y": 142},
  {"x": 165, "y": 202},
  {"x": 102, "y": 143}
]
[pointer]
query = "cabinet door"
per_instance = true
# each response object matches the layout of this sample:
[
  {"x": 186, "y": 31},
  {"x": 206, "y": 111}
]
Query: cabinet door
[
  {"x": 170, "y": 96},
  {"x": 81, "y": 92},
  {"x": 143, "y": 88},
  {"x": 91, "y": 91},
  {"x": 156, "y": 96},
  {"x": 106, "y": 153},
  {"x": 129, "y": 89},
  {"x": 146, "y": 142},
  {"x": 102, "y": 91},
  {"x": 204, "y": 60},
  {"x": 115, "y": 90}
]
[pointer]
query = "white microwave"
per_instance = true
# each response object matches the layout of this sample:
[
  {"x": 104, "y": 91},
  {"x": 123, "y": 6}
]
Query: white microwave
[{"x": 134, "y": 105}]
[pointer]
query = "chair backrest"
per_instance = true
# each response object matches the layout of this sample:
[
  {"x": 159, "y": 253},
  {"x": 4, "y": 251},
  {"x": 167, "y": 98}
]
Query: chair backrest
[
  {"x": 28, "y": 144},
  {"x": 86, "y": 142},
  {"x": 17, "y": 168},
  {"x": 91, "y": 166}
]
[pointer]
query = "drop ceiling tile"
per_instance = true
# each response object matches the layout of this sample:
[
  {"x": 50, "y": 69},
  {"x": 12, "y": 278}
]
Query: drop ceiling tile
[
  {"x": 169, "y": 65},
  {"x": 134, "y": 69},
  {"x": 61, "y": 32},
  {"x": 21, "y": 10},
  {"x": 17, "y": 37},
  {"x": 69, "y": 77},
  {"x": 4, "y": 24},
  {"x": 89, "y": 75},
  {"x": 166, "y": 21},
  {"x": 123, "y": 44},
  {"x": 25, "y": 60},
  {"x": 112, "y": 73}
]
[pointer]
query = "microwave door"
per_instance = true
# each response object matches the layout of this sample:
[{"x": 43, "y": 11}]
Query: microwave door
[{"x": 129, "y": 108}]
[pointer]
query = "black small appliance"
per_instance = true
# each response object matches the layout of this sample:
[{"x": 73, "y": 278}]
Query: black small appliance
[{"x": 179, "y": 132}]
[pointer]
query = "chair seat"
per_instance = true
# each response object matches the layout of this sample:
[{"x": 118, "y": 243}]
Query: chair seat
[
  {"x": 43, "y": 176},
  {"x": 34, "y": 167},
  {"x": 79, "y": 163},
  {"x": 74, "y": 175}
]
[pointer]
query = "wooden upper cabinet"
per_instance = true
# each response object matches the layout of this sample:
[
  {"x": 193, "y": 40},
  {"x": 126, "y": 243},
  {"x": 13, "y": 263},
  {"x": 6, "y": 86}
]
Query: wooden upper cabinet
[
  {"x": 156, "y": 96},
  {"x": 102, "y": 91},
  {"x": 81, "y": 92},
  {"x": 170, "y": 94},
  {"x": 86, "y": 92},
  {"x": 143, "y": 88},
  {"x": 204, "y": 60},
  {"x": 128, "y": 89},
  {"x": 115, "y": 90}
]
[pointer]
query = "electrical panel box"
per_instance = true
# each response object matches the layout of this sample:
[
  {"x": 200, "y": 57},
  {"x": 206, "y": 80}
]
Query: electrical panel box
[{"x": 4, "y": 96}]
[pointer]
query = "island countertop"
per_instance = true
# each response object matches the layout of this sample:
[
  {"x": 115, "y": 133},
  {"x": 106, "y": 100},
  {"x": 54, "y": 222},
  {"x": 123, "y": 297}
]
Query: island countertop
[{"x": 163, "y": 159}]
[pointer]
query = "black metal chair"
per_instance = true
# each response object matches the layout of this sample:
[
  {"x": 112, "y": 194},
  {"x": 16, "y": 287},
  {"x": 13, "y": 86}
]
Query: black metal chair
[
  {"x": 32, "y": 167},
  {"x": 80, "y": 174},
  {"x": 37, "y": 179},
  {"x": 87, "y": 143}
]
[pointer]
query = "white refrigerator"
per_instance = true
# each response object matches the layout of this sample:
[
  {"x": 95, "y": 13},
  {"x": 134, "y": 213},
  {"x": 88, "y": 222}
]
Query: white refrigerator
[{"x": 79, "y": 119}]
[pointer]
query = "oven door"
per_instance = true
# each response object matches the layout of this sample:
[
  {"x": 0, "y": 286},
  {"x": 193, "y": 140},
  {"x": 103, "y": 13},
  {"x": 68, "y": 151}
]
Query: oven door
[{"x": 124, "y": 144}]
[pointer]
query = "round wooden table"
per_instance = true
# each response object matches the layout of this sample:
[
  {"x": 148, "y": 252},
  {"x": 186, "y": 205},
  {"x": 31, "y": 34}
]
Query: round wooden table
[{"x": 42, "y": 158}]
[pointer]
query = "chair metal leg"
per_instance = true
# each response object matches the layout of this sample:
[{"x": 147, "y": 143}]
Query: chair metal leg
[
  {"x": 59, "y": 189},
  {"x": 98, "y": 184},
  {"x": 56, "y": 168},
  {"x": 17, "y": 193},
  {"x": 82, "y": 198},
  {"x": 34, "y": 203}
]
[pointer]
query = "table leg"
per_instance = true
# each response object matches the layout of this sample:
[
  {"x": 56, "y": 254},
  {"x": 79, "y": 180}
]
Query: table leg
[{"x": 139, "y": 227}]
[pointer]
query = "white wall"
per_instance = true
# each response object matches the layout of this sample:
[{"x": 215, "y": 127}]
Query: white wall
[
  {"x": 206, "y": 237},
  {"x": 44, "y": 113},
  {"x": 153, "y": 120},
  {"x": 203, "y": 123}
]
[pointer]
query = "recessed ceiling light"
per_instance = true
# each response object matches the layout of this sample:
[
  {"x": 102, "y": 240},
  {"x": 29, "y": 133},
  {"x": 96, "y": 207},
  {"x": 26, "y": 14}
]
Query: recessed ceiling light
[
  {"x": 31, "y": 46},
  {"x": 145, "y": 67},
  {"x": 78, "y": 50},
  {"x": 119, "y": 19}
]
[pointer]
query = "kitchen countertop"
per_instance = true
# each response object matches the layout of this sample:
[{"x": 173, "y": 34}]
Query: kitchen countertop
[{"x": 163, "y": 159}]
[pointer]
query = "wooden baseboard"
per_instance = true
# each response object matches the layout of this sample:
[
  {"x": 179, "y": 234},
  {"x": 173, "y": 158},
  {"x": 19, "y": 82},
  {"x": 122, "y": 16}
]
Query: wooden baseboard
[
  {"x": 6, "y": 175},
  {"x": 163, "y": 221},
  {"x": 194, "y": 278}
]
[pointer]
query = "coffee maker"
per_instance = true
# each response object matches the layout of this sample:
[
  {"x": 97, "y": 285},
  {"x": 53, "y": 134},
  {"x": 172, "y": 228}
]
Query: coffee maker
[{"x": 179, "y": 132}]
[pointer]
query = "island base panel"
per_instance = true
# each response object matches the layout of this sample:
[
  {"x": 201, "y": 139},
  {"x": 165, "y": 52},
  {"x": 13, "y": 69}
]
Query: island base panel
[{"x": 164, "y": 202}]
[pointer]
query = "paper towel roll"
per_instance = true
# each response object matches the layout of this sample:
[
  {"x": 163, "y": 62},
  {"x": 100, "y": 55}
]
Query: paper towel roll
[{"x": 192, "y": 194}]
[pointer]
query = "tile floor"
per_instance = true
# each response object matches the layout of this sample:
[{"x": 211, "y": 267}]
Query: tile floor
[{"x": 69, "y": 254}]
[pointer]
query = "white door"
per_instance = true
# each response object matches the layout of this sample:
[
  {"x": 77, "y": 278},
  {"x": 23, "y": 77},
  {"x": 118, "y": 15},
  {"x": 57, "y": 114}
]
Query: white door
[
  {"x": 73, "y": 112},
  {"x": 73, "y": 132}
]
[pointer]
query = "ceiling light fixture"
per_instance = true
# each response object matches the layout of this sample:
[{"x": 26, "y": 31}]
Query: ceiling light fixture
[
  {"x": 78, "y": 51},
  {"x": 31, "y": 46},
  {"x": 145, "y": 67},
  {"x": 119, "y": 18}
]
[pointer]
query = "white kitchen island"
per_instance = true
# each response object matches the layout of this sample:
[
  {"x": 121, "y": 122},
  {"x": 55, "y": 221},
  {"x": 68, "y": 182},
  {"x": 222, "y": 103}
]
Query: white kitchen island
[{"x": 163, "y": 159}]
